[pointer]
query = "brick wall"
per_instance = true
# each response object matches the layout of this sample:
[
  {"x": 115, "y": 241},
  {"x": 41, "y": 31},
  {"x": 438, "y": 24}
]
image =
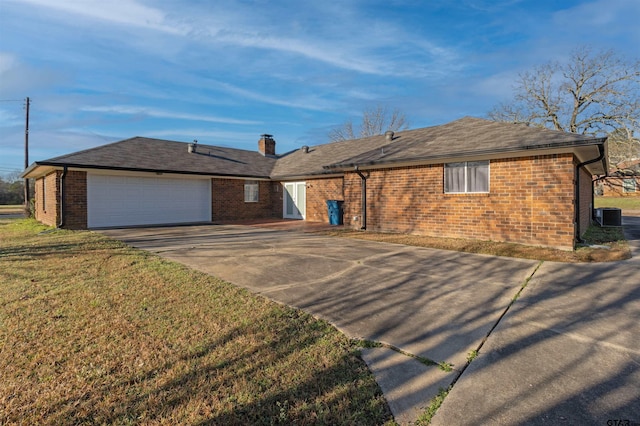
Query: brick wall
[
  {"x": 75, "y": 200},
  {"x": 318, "y": 192},
  {"x": 227, "y": 201},
  {"x": 586, "y": 191},
  {"x": 530, "y": 202},
  {"x": 277, "y": 199},
  {"x": 46, "y": 199}
]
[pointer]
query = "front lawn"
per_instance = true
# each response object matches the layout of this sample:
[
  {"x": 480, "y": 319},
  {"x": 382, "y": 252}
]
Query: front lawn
[
  {"x": 95, "y": 332},
  {"x": 624, "y": 203}
]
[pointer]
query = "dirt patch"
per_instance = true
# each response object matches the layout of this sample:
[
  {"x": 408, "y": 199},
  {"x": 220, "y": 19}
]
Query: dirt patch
[{"x": 612, "y": 250}]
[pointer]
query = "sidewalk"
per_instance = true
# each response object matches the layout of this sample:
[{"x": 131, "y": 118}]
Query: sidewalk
[{"x": 567, "y": 352}]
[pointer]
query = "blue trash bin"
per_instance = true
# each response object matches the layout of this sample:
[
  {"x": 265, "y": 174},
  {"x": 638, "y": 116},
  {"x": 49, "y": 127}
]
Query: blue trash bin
[{"x": 334, "y": 208}]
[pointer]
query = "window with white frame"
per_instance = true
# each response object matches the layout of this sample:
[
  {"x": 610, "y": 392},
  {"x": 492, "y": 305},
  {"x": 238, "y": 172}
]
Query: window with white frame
[
  {"x": 629, "y": 185},
  {"x": 466, "y": 176},
  {"x": 251, "y": 191}
]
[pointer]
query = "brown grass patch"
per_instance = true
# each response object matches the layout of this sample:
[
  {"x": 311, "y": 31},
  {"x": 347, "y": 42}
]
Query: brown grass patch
[
  {"x": 612, "y": 238},
  {"x": 11, "y": 209},
  {"x": 94, "y": 332}
]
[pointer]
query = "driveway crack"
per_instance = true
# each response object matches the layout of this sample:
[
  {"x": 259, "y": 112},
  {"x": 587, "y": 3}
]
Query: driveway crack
[{"x": 513, "y": 300}]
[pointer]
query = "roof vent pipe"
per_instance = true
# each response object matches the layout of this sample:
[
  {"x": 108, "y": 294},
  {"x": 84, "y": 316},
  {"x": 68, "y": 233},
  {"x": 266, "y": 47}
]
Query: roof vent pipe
[
  {"x": 305, "y": 149},
  {"x": 389, "y": 135}
]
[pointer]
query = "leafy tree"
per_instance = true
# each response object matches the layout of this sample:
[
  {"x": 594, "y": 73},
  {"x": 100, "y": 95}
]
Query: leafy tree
[
  {"x": 12, "y": 189},
  {"x": 375, "y": 121},
  {"x": 591, "y": 92},
  {"x": 11, "y": 192}
]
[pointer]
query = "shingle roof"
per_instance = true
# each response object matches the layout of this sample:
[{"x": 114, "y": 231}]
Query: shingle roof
[
  {"x": 313, "y": 162},
  {"x": 159, "y": 155},
  {"x": 463, "y": 138}
]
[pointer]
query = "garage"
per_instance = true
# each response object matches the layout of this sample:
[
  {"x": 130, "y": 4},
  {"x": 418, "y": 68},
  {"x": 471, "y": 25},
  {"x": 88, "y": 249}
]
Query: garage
[{"x": 115, "y": 200}]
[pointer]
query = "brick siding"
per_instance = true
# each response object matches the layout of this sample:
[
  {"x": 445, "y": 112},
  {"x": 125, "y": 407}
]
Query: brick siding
[
  {"x": 227, "y": 201},
  {"x": 586, "y": 192},
  {"x": 530, "y": 202},
  {"x": 46, "y": 199},
  {"x": 75, "y": 200},
  {"x": 318, "y": 192}
]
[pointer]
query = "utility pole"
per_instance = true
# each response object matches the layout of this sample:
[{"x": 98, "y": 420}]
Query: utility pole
[{"x": 26, "y": 160}]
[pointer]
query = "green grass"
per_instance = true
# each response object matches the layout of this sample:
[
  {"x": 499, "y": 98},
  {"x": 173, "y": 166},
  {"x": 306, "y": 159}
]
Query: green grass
[
  {"x": 625, "y": 203},
  {"x": 431, "y": 410},
  {"x": 95, "y": 332},
  {"x": 604, "y": 235}
]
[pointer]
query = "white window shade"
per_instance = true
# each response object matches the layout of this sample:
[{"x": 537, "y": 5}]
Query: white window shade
[
  {"x": 468, "y": 176},
  {"x": 251, "y": 192}
]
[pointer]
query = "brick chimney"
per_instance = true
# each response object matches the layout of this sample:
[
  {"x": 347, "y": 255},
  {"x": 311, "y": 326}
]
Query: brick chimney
[{"x": 267, "y": 145}]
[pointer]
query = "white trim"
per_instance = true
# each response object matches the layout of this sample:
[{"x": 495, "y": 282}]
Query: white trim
[
  {"x": 251, "y": 191},
  {"x": 298, "y": 208}
]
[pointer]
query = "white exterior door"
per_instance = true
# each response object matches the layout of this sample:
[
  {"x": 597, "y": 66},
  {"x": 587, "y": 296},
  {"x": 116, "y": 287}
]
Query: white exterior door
[
  {"x": 295, "y": 199},
  {"x": 114, "y": 200}
]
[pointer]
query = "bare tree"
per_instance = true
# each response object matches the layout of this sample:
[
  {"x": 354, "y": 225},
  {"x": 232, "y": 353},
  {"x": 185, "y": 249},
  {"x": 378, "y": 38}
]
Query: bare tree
[
  {"x": 375, "y": 121},
  {"x": 623, "y": 149},
  {"x": 594, "y": 93}
]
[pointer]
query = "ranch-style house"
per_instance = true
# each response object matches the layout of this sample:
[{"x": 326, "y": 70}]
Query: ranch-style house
[{"x": 470, "y": 178}]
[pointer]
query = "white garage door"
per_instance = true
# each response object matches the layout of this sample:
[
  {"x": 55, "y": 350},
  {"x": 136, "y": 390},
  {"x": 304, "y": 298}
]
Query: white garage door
[{"x": 134, "y": 200}]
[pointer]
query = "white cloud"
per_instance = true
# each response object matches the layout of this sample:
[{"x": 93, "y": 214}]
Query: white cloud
[
  {"x": 7, "y": 62},
  {"x": 309, "y": 103},
  {"x": 121, "y": 12},
  {"x": 158, "y": 113},
  {"x": 320, "y": 39},
  {"x": 18, "y": 78}
]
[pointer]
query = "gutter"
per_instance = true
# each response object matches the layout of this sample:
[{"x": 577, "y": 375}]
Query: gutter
[
  {"x": 577, "y": 190},
  {"x": 62, "y": 209},
  {"x": 364, "y": 198},
  {"x": 134, "y": 169}
]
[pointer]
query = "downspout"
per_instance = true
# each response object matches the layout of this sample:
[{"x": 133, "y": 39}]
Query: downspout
[
  {"x": 364, "y": 198},
  {"x": 62, "y": 210},
  {"x": 577, "y": 191}
]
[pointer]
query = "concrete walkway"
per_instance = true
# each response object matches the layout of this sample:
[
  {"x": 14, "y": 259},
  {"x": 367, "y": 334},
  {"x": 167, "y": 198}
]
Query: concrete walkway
[
  {"x": 567, "y": 352},
  {"x": 434, "y": 304}
]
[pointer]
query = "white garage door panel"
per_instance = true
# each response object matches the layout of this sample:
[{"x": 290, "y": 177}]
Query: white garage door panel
[{"x": 133, "y": 200}]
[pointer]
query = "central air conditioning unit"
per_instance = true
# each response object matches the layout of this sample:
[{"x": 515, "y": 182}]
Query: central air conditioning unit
[{"x": 609, "y": 216}]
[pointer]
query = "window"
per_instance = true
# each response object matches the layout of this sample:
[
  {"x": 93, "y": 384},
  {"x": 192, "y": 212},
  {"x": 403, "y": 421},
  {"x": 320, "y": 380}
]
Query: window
[
  {"x": 468, "y": 176},
  {"x": 251, "y": 192},
  {"x": 629, "y": 185}
]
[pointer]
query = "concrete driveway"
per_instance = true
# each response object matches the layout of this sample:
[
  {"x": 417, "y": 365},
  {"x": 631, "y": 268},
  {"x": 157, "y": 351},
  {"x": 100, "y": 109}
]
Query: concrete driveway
[
  {"x": 567, "y": 352},
  {"x": 434, "y": 304}
]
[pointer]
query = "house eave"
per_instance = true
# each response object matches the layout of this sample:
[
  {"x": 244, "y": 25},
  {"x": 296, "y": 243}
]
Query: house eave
[
  {"x": 41, "y": 168},
  {"x": 309, "y": 176},
  {"x": 582, "y": 151}
]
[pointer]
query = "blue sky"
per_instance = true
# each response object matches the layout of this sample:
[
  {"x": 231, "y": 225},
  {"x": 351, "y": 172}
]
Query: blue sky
[{"x": 224, "y": 72}]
